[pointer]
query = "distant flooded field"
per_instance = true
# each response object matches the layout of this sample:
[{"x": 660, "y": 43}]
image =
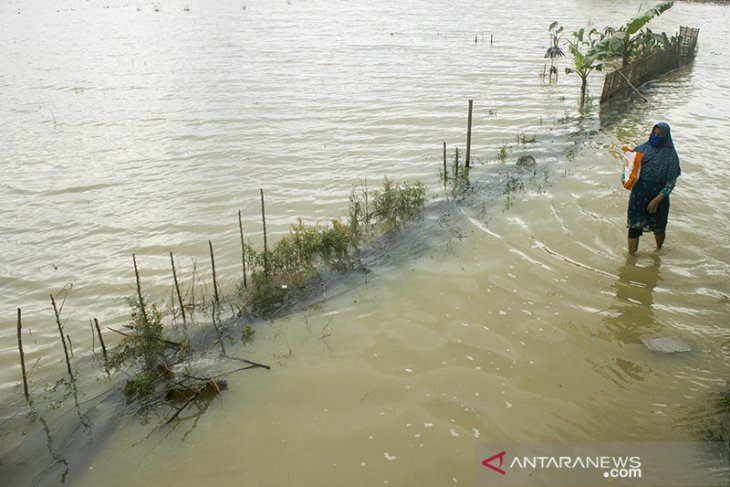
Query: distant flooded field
[{"x": 509, "y": 313}]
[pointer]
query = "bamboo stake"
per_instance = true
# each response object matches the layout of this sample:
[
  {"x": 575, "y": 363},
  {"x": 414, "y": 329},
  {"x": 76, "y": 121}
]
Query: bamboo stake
[
  {"x": 192, "y": 294},
  {"x": 215, "y": 284},
  {"x": 266, "y": 247},
  {"x": 456, "y": 170},
  {"x": 63, "y": 339},
  {"x": 468, "y": 134},
  {"x": 445, "y": 174},
  {"x": 101, "y": 339},
  {"x": 139, "y": 292},
  {"x": 367, "y": 213},
  {"x": 177, "y": 288},
  {"x": 243, "y": 249},
  {"x": 22, "y": 357}
]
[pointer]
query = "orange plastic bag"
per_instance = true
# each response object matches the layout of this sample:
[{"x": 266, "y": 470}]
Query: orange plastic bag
[{"x": 632, "y": 168}]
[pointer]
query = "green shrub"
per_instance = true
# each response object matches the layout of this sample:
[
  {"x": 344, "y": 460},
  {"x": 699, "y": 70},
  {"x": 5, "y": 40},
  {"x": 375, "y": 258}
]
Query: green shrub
[
  {"x": 396, "y": 203},
  {"x": 144, "y": 343},
  {"x": 247, "y": 334},
  {"x": 297, "y": 258}
]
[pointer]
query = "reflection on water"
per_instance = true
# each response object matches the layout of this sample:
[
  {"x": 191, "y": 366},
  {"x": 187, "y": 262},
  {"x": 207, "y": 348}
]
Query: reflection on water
[{"x": 632, "y": 317}]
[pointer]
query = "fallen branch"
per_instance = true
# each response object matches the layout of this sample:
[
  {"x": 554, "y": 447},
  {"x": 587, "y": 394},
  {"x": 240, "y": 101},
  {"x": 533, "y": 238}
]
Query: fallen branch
[
  {"x": 166, "y": 342},
  {"x": 180, "y": 409},
  {"x": 205, "y": 383},
  {"x": 255, "y": 364}
]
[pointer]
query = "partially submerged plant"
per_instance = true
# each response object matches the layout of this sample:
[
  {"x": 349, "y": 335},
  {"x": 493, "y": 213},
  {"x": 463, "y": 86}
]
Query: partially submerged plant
[
  {"x": 629, "y": 41},
  {"x": 590, "y": 48},
  {"x": 502, "y": 154},
  {"x": 247, "y": 334},
  {"x": 299, "y": 257},
  {"x": 394, "y": 204},
  {"x": 554, "y": 51},
  {"x": 585, "y": 58},
  {"x": 144, "y": 343},
  {"x": 145, "y": 347}
]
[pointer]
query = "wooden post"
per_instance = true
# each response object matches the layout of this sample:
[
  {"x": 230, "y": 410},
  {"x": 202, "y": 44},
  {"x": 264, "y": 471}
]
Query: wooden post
[
  {"x": 243, "y": 249},
  {"x": 63, "y": 339},
  {"x": 468, "y": 134},
  {"x": 456, "y": 163},
  {"x": 192, "y": 292},
  {"x": 101, "y": 339},
  {"x": 22, "y": 357},
  {"x": 445, "y": 173},
  {"x": 177, "y": 288},
  {"x": 367, "y": 212},
  {"x": 491, "y": 39},
  {"x": 266, "y": 246},
  {"x": 215, "y": 284},
  {"x": 139, "y": 292}
]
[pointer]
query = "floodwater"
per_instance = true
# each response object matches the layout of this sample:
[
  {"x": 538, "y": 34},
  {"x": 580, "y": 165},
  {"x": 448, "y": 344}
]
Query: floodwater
[{"x": 496, "y": 317}]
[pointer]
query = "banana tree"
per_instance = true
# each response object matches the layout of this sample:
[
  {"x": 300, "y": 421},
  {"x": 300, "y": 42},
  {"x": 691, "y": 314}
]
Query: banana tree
[
  {"x": 554, "y": 51},
  {"x": 628, "y": 37},
  {"x": 585, "y": 57}
]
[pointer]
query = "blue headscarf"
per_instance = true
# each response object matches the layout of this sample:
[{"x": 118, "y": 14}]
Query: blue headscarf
[{"x": 659, "y": 163}]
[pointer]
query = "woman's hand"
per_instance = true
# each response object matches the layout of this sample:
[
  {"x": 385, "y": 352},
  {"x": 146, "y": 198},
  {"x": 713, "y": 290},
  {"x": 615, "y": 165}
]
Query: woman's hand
[{"x": 652, "y": 206}]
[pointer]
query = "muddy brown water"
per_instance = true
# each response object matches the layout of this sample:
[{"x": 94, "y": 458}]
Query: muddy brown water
[{"x": 497, "y": 317}]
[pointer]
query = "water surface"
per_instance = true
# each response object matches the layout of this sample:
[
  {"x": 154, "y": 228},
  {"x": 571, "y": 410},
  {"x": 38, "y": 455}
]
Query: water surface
[{"x": 512, "y": 317}]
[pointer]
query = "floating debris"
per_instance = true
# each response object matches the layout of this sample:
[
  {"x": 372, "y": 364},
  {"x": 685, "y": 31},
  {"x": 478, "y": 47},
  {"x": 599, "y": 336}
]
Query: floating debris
[{"x": 666, "y": 345}]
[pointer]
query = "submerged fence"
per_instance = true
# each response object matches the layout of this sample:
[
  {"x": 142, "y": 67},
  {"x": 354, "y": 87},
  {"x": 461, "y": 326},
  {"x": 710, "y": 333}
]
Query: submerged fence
[{"x": 659, "y": 62}]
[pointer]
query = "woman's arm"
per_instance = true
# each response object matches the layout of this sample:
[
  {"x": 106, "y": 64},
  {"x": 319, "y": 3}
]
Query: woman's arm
[
  {"x": 664, "y": 193},
  {"x": 668, "y": 188}
]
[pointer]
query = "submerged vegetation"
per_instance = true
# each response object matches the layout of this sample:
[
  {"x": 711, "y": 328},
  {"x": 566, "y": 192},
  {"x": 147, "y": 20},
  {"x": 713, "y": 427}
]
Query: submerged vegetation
[
  {"x": 300, "y": 256},
  {"x": 157, "y": 353},
  {"x": 277, "y": 274},
  {"x": 554, "y": 51},
  {"x": 717, "y": 427}
]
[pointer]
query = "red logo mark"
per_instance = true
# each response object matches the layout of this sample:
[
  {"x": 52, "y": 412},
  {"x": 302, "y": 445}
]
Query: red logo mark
[{"x": 487, "y": 463}]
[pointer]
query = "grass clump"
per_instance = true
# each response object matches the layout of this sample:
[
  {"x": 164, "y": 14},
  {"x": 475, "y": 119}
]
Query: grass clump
[
  {"x": 299, "y": 257},
  {"x": 294, "y": 261},
  {"x": 144, "y": 346},
  {"x": 395, "y": 204},
  {"x": 247, "y": 334},
  {"x": 144, "y": 342},
  {"x": 502, "y": 153},
  {"x": 290, "y": 266},
  {"x": 457, "y": 173}
]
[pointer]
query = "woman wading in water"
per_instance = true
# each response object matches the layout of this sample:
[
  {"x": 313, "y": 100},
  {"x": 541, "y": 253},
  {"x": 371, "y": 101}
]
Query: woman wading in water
[{"x": 649, "y": 200}]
